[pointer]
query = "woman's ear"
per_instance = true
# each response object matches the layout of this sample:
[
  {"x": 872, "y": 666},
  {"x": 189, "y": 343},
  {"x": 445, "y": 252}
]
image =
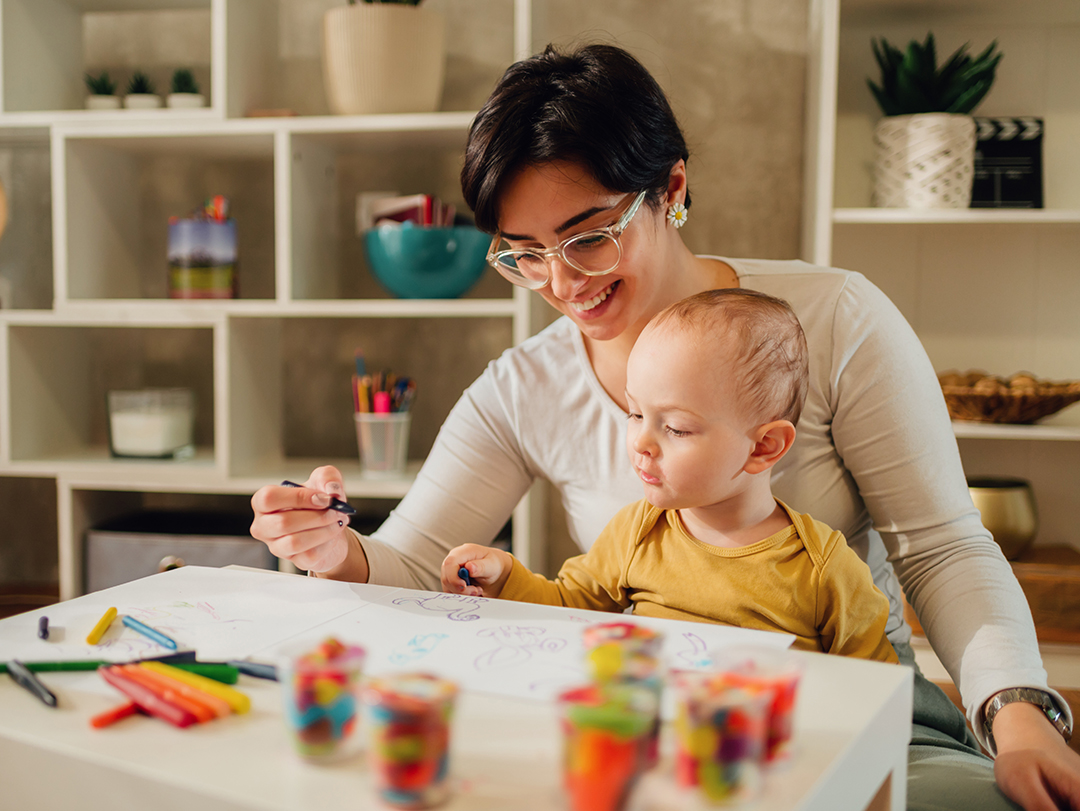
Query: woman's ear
[
  {"x": 771, "y": 441},
  {"x": 677, "y": 184}
]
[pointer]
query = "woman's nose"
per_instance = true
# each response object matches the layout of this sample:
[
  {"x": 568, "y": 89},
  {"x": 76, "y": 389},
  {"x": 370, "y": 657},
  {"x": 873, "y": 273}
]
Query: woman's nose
[{"x": 566, "y": 281}]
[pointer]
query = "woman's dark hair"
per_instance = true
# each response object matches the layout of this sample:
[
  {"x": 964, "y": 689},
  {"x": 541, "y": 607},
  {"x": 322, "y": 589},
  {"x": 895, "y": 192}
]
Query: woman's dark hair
[{"x": 596, "y": 106}]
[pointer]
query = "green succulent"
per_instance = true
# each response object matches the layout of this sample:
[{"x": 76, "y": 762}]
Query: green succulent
[
  {"x": 184, "y": 82},
  {"x": 101, "y": 85},
  {"x": 140, "y": 84},
  {"x": 911, "y": 82}
]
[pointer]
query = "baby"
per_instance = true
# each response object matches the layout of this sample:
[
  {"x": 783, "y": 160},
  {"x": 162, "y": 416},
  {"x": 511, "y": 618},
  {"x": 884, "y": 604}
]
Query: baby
[{"x": 714, "y": 386}]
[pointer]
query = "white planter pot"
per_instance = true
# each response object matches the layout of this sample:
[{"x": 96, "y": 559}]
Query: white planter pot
[
  {"x": 96, "y": 102},
  {"x": 383, "y": 58},
  {"x": 924, "y": 161},
  {"x": 142, "y": 101},
  {"x": 185, "y": 101}
]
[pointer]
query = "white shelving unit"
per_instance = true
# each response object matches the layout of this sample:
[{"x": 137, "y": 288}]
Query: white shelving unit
[
  {"x": 986, "y": 289},
  {"x": 109, "y": 298}
]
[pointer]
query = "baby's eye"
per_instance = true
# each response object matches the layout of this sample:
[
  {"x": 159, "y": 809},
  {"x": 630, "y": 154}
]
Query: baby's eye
[
  {"x": 633, "y": 417},
  {"x": 676, "y": 431}
]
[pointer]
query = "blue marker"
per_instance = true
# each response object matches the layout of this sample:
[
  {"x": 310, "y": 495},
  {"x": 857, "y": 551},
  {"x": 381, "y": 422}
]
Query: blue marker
[
  {"x": 463, "y": 573},
  {"x": 43, "y": 628},
  {"x": 149, "y": 632}
]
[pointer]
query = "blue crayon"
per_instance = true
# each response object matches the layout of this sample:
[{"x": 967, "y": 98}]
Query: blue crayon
[
  {"x": 463, "y": 573},
  {"x": 149, "y": 632}
]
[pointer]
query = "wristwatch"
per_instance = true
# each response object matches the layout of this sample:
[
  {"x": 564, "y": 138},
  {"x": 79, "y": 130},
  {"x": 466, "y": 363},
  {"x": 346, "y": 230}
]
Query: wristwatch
[{"x": 1041, "y": 699}]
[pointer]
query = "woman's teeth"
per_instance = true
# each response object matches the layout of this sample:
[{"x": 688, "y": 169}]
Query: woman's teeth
[{"x": 585, "y": 306}]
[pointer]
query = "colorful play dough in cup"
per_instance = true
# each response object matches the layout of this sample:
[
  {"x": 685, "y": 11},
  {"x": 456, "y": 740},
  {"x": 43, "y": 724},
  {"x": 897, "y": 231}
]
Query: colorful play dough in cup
[
  {"x": 720, "y": 736},
  {"x": 319, "y": 688},
  {"x": 604, "y": 727},
  {"x": 408, "y": 721},
  {"x": 776, "y": 673}
]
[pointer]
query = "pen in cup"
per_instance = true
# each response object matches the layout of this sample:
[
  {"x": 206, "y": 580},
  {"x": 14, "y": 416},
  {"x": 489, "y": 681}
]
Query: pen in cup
[{"x": 336, "y": 504}]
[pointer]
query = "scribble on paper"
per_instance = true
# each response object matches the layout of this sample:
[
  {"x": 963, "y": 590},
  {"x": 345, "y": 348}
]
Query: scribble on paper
[
  {"x": 457, "y": 607},
  {"x": 696, "y": 655},
  {"x": 515, "y": 645},
  {"x": 417, "y": 648}
]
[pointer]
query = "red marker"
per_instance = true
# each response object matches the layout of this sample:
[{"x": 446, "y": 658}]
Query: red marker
[
  {"x": 113, "y": 715},
  {"x": 146, "y": 699}
]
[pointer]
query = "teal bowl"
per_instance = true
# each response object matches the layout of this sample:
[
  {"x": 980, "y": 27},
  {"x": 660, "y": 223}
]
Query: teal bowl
[{"x": 413, "y": 262}]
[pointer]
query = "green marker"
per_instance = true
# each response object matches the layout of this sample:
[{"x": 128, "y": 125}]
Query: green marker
[{"x": 226, "y": 674}]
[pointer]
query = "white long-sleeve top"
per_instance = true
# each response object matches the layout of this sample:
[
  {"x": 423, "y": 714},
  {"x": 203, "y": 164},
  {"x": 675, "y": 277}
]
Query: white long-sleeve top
[{"x": 875, "y": 457}]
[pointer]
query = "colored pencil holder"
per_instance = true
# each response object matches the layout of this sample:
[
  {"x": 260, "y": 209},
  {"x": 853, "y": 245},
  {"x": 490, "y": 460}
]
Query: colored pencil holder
[
  {"x": 774, "y": 673},
  {"x": 320, "y": 686},
  {"x": 604, "y": 728},
  {"x": 408, "y": 722},
  {"x": 383, "y": 442},
  {"x": 720, "y": 736}
]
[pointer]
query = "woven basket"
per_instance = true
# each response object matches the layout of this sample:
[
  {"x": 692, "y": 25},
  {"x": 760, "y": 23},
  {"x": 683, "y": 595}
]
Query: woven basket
[
  {"x": 1022, "y": 398},
  {"x": 924, "y": 161}
]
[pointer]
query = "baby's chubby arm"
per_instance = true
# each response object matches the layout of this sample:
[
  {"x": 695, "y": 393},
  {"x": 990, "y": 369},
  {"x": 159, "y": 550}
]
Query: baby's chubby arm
[{"x": 488, "y": 566}]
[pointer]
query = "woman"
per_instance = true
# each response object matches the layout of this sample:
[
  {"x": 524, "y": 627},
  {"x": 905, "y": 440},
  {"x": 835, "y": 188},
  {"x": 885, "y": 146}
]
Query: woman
[{"x": 577, "y": 166}]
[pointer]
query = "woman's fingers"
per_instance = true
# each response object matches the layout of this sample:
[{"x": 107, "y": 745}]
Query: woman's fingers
[{"x": 327, "y": 479}]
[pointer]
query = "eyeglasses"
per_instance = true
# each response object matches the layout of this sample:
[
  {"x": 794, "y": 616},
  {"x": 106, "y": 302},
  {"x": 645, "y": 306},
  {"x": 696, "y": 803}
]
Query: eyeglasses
[{"x": 593, "y": 253}]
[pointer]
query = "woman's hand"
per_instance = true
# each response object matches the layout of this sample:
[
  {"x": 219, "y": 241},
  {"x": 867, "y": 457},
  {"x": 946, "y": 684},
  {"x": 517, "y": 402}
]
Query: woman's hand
[
  {"x": 296, "y": 525},
  {"x": 1035, "y": 768},
  {"x": 488, "y": 567}
]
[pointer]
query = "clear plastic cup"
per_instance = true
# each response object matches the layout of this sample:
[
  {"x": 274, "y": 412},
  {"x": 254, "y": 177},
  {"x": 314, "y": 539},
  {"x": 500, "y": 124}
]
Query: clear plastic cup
[
  {"x": 320, "y": 685},
  {"x": 627, "y": 653},
  {"x": 408, "y": 721},
  {"x": 720, "y": 736},
  {"x": 383, "y": 442},
  {"x": 776, "y": 673},
  {"x": 604, "y": 729}
]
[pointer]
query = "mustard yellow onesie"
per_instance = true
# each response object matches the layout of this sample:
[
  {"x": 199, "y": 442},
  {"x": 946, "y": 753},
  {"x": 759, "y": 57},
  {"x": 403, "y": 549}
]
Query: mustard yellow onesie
[{"x": 804, "y": 580}]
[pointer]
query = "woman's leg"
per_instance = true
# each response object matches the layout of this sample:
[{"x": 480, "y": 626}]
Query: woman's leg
[{"x": 947, "y": 770}]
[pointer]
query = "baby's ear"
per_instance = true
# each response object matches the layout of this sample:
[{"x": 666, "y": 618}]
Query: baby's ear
[{"x": 771, "y": 441}]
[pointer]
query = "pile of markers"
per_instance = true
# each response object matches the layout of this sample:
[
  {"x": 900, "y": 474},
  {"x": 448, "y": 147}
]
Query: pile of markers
[
  {"x": 381, "y": 392},
  {"x": 176, "y": 696}
]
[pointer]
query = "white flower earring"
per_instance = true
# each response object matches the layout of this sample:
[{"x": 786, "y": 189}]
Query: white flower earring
[{"x": 677, "y": 215}]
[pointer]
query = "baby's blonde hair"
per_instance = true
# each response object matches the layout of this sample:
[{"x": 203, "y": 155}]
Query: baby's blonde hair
[{"x": 765, "y": 343}]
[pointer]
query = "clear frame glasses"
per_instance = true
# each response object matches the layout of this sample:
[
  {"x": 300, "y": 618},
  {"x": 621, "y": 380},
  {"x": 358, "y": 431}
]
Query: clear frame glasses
[{"x": 593, "y": 253}]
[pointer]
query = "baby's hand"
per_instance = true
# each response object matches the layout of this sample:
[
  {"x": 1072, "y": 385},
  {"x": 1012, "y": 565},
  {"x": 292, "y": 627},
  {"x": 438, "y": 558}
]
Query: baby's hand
[{"x": 488, "y": 568}]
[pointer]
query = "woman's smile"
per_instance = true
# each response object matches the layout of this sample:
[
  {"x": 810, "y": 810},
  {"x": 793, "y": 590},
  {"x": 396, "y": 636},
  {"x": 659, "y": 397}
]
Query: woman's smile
[{"x": 595, "y": 306}]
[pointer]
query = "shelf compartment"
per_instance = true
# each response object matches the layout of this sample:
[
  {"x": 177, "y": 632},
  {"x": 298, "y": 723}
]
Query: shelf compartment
[
  {"x": 26, "y": 251},
  {"x": 1041, "y": 43},
  {"x": 112, "y": 235},
  {"x": 58, "y": 380},
  {"x": 970, "y": 216},
  {"x": 328, "y": 169},
  {"x": 28, "y": 505},
  {"x": 50, "y": 45},
  {"x": 988, "y": 430},
  {"x": 289, "y": 387}
]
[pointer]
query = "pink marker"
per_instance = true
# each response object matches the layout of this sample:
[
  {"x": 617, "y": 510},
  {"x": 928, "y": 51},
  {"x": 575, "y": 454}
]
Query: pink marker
[{"x": 382, "y": 402}]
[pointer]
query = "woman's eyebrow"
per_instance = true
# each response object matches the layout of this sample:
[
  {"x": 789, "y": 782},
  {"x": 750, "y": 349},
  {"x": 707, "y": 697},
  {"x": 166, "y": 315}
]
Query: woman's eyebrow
[{"x": 570, "y": 223}]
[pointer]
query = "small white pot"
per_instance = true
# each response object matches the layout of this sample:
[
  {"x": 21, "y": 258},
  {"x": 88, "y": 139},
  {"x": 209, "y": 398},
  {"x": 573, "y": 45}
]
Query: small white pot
[
  {"x": 383, "y": 58},
  {"x": 185, "y": 101},
  {"x": 142, "y": 101},
  {"x": 924, "y": 161},
  {"x": 96, "y": 102}
]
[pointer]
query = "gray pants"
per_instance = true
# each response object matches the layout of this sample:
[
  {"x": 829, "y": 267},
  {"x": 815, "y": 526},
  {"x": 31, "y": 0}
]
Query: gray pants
[{"x": 947, "y": 770}]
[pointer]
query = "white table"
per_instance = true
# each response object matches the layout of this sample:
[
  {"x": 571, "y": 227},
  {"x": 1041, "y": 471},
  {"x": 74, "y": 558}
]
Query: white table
[{"x": 852, "y": 728}]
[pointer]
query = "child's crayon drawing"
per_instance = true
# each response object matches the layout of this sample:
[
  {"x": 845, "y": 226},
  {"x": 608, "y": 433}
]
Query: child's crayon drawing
[
  {"x": 696, "y": 655},
  {"x": 458, "y": 607},
  {"x": 515, "y": 645},
  {"x": 417, "y": 648}
]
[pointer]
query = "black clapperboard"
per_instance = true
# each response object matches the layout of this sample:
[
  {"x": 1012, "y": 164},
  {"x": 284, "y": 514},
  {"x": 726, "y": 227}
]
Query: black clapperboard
[{"x": 1008, "y": 163}]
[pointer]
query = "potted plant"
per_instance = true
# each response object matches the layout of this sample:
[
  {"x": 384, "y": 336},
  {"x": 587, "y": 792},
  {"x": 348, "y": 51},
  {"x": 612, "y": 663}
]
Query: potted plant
[
  {"x": 383, "y": 56},
  {"x": 185, "y": 91},
  {"x": 140, "y": 93},
  {"x": 102, "y": 92},
  {"x": 925, "y": 144}
]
